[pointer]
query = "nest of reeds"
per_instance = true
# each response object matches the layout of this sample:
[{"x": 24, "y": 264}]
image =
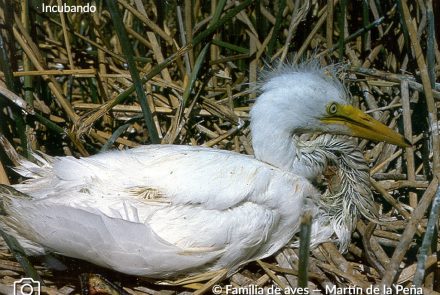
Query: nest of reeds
[{"x": 138, "y": 72}]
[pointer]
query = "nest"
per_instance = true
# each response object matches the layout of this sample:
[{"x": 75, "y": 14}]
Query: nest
[{"x": 68, "y": 89}]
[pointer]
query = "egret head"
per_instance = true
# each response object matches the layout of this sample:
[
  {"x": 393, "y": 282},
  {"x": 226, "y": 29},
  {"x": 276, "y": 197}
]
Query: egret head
[{"x": 306, "y": 100}]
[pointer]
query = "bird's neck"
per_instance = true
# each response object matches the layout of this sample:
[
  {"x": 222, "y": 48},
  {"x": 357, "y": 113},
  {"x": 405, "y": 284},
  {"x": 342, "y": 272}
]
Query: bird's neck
[
  {"x": 278, "y": 147},
  {"x": 275, "y": 147}
]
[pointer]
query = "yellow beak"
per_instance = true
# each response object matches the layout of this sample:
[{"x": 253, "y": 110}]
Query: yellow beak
[{"x": 364, "y": 126}]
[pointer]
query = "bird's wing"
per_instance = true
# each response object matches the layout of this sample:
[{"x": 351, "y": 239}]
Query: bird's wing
[
  {"x": 183, "y": 174},
  {"x": 129, "y": 247},
  {"x": 200, "y": 202}
]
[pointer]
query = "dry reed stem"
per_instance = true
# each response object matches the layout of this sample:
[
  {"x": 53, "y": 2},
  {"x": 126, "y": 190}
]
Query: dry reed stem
[
  {"x": 433, "y": 120},
  {"x": 75, "y": 73},
  {"x": 52, "y": 83},
  {"x": 407, "y": 236},
  {"x": 409, "y": 151},
  {"x": 3, "y": 176},
  {"x": 272, "y": 275},
  {"x": 155, "y": 28},
  {"x": 66, "y": 37}
]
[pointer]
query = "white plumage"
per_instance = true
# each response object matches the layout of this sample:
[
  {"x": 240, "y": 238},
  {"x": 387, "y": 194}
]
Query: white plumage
[
  {"x": 166, "y": 211},
  {"x": 160, "y": 210}
]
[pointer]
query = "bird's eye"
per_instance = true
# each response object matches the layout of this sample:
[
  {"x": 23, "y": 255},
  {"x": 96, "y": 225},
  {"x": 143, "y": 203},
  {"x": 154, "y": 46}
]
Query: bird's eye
[{"x": 332, "y": 108}]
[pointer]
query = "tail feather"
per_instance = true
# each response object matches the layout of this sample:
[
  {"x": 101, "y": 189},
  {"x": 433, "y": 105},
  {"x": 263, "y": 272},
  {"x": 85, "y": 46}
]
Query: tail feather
[
  {"x": 7, "y": 222},
  {"x": 8, "y": 192},
  {"x": 23, "y": 166},
  {"x": 39, "y": 169},
  {"x": 10, "y": 151}
]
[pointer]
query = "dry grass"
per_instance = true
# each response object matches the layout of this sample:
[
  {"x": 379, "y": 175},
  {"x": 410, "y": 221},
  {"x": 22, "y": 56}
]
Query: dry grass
[{"x": 67, "y": 89}]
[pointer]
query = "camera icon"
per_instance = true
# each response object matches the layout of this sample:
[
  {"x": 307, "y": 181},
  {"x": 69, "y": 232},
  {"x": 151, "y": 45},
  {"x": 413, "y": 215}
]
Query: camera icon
[{"x": 26, "y": 286}]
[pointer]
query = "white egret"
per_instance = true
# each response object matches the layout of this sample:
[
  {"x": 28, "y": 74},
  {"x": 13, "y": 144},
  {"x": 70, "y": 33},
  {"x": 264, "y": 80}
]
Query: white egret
[{"x": 164, "y": 211}]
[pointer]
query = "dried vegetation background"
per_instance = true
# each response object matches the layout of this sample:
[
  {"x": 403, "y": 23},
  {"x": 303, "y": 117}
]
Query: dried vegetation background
[{"x": 182, "y": 72}]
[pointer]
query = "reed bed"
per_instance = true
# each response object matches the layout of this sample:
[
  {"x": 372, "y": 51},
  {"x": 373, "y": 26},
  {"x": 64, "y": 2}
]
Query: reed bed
[{"x": 183, "y": 72}]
